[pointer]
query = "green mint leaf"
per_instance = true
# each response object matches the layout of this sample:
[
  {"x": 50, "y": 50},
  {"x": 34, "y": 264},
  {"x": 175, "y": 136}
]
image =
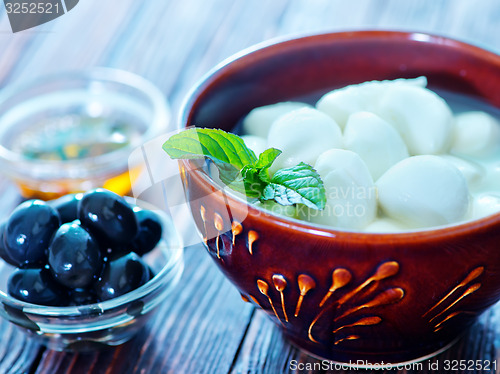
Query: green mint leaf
[
  {"x": 255, "y": 180},
  {"x": 267, "y": 158},
  {"x": 226, "y": 150},
  {"x": 230, "y": 176},
  {"x": 256, "y": 177},
  {"x": 300, "y": 184},
  {"x": 218, "y": 145}
]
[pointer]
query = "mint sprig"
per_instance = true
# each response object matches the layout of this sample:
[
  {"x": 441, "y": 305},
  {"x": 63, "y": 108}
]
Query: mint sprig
[
  {"x": 226, "y": 150},
  {"x": 242, "y": 171},
  {"x": 256, "y": 176},
  {"x": 300, "y": 184}
]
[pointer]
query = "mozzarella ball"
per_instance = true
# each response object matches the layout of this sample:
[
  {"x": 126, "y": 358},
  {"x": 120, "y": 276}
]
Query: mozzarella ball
[
  {"x": 386, "y": 225},
  {"x": 259, "y": 120},
  {"x": 422, "y": 118},
  {"x": 491, "y": 180},
  {"x": 284, "y": 210},
  {"x": 341, "y": 103},
  {"x": 351, "y": 195},
  {"x": 255, "y": 143},
  {"x": 375, "y": 141},
  {"x": 344, "y": 160},
  {"x": 424, "y": 191},
  {"x": 473, "y": 172},
  {"x": 485, "y": 204},
  {"x": 476, "y": 134},
  {"x": 302, "y": 135}
]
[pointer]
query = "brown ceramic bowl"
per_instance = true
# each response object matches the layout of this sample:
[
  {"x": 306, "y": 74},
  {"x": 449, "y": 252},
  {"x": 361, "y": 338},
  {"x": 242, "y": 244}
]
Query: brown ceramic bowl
[{"x": 342, "y": 295}]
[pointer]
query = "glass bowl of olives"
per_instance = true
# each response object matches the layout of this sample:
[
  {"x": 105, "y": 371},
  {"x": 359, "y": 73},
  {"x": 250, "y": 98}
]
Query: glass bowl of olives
[{"x": 86, "y": 271}]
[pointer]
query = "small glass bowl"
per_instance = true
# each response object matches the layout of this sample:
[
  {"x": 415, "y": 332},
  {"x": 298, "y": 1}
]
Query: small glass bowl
[
  {"x": 105, "y": 324},
  {"x": 42, "y": 120}
]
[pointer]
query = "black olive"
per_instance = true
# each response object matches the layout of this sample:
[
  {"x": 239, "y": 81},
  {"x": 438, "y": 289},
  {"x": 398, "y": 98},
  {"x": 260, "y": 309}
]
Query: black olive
[
  {"x": 28, "y": 232},
  {"x": 36, "y": 286},
  {"x": 150, "y": 232},
  {"x": 82, "y": 296},
  {"x": 3, "y": 252},
  {"x": 67, "y": 207},
  {"x": 74, "y": 256},
  {"x": 121, "y": 276},
  {"x": 108, "y": 217}
]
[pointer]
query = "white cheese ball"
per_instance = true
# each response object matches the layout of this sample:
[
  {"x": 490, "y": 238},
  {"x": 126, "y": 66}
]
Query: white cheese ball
[
  {"x": 491, "y": 181},
  {"x": 424, "y": 191},
  {"x": 485, "y": 204},
  {"x": 473, "y": 172},
  {"x": 422, "y": 118},
  {"x": 351, "y": 195},
  {"x": 259, "y": 120},
  {"x": 341, "y": 103},
  {"x": 476, "y": 134},
  {"x": 255, "y": 143},
  {"x": 302, "y": 135},
  {"x": 386, "y": 225},
  {"x": 375, "y": 141}
]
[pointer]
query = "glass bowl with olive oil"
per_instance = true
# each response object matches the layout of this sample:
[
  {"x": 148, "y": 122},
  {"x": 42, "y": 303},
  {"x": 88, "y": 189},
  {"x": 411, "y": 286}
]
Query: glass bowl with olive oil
[{"x": 76, "y": 131}]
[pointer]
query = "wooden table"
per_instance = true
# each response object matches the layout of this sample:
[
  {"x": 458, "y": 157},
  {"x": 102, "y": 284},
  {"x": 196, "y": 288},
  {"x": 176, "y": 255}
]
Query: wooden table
[{"x": 209, "y": 329}]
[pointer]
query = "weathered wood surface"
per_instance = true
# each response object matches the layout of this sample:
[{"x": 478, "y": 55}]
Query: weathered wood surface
[{"x": 207, "y": 328}]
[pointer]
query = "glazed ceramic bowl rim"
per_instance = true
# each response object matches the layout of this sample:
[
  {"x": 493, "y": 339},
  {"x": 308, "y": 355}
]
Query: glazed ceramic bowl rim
[
  {"x": 266, "y": 48},
  {"x": 174, "y": 252},
  {"x": 97, "y": 164}
]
